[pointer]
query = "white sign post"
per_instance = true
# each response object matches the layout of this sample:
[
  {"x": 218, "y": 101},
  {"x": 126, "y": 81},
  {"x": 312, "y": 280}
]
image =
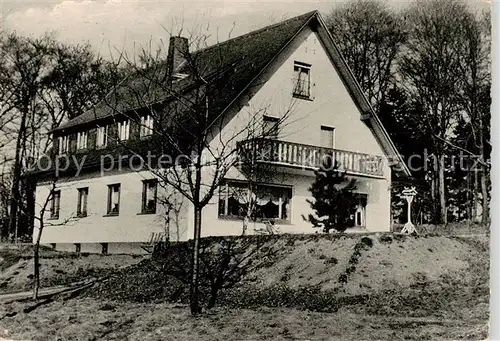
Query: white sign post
[{"x": 409, "y": 194}]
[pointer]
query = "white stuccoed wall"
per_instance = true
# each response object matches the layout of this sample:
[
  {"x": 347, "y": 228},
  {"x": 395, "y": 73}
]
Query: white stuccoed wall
[{"x": 129, "y": 226}]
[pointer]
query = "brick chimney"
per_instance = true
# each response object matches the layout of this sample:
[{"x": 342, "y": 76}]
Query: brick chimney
[{"x": 177, "y": 50}]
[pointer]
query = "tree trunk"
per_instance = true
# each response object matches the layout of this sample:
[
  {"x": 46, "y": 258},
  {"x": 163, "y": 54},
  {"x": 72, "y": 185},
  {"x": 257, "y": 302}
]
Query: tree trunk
[
  {"x": 213, "y": 296},
  {"x": 16, "y": 176},
  {"x": 476, "y": 197},
  {"x": 245, "y": 226},
  {"x": 484, "y": 174},
  {"x": 36, "y": 260},
  {"x": 434, "y": 190},
  {"x": 442, "y": 195},
  {"x": 471, "y": 193},
  {"x": 195, "y": 262},
  {"x": 484, "y": 192}
]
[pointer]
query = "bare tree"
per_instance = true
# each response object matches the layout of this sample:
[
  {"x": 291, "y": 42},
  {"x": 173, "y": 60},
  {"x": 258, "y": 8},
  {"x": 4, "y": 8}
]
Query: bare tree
[
  {"x": 45, "y": 205},
  {"x": 429, "y": 68},
  {"x": 36, "y": 254},
  {"x": 186, "y": 97},
  {"x": 253, "y": 154},
  {"x": 43, "y": 82},
  {"x": 475, "y": 80},
  {"x": 22, "y": 66},
  {"x": 369, "y": 36}
]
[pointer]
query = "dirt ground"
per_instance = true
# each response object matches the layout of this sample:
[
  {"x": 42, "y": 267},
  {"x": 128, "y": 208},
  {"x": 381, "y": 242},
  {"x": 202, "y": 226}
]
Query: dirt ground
[
  {"x": 423, "y": 288},
  {"x": 56, "y": 268},
  {"x": 387, "y": 264},
  {"x": 87, "y": 319}
]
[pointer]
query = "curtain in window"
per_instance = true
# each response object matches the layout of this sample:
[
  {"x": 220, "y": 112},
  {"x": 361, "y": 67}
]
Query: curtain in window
[{"x": 270, "y": 201}]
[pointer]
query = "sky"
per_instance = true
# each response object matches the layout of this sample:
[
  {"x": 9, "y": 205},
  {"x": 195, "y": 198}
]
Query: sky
[{"x": 112, "y": 25}]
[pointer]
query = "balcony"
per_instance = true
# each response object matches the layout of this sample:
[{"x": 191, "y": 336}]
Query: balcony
[{"x": 310, "y": 157}]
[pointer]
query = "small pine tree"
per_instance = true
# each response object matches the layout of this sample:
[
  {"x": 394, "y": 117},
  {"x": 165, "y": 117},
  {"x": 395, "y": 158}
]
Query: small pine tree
[{"x": 334, "y": 201}]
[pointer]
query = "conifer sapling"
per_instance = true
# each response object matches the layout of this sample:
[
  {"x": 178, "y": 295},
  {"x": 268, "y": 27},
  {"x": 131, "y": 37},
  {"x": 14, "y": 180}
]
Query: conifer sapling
[{"x": 334, "y": 202}]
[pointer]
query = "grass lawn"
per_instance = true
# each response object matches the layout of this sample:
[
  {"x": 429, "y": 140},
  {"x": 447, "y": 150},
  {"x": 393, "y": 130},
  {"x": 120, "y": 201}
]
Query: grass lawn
[{"x": 88, "y": 319}]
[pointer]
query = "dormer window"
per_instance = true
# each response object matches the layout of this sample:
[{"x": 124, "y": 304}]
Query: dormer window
[
  {"x": 302, "y": 80},
  {"x": 102, "y": 137},
  {"x": 63, "y": 144},
  {"x": 124, "y": 130},
  {"x": 146, "y": 126},
  {"x": 81, "y": 140}
]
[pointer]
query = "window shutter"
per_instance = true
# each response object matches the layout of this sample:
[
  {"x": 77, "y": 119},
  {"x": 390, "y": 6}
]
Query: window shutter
[
  {"x": 72, "y": 143},
  {"x": 91, "y": 143},
  {"x": 112, "y": 134},
  {"x": 134, "y": 129},
  {"x": 55, "y": 146}
]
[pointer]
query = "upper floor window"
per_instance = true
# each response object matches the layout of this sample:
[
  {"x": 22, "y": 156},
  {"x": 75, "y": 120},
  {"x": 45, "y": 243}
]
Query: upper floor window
[
  {"x": 63, "y": 144},
  {"x": 55, "y": 205},
  {"x": 270, "y": 127},
  {"x": 81, "y": 140},
  {"x": 114, "y": 199},
  {"x": 327, "y": 137},
  {"x": 81, "y": 209},
  {"x": 124, "y": 130},
  {"x": 149, "y": 190},
  {"x": 302, "y": 80},
  {"x": 102, "y": 137},
  {"x": 146, "y": 126}
]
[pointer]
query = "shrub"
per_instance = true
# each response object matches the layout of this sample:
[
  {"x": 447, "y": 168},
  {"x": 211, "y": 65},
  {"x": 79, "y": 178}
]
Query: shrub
[
  {"x": 332, "y": 260},
  {"x": 385, "y": 239},
  {"x": 367, "y": 242},
  {"x": 343, "y": 278},
  {"x": 305, "y": 298}
]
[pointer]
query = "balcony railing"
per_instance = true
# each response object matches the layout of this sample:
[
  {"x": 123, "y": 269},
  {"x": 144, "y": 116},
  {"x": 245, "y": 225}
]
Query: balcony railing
[{"x": 309, "y": 157}]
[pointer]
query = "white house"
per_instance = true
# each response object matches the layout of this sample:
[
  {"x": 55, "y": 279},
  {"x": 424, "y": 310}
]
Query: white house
[{"x": 290, "y": 64}]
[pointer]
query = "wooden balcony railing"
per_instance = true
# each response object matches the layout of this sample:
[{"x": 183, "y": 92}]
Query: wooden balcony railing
[{"x": 309, "y": 157}]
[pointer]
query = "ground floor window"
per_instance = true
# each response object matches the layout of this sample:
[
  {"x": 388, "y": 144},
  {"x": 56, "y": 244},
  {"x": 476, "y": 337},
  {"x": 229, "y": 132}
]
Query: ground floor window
[
  {"x": 114, "y": 199},
  {"x": 239, "y": 199},
  {"x": 149, "y": 194},
  {"x": 359, "y": 218},
  {"x": 55, "y": 205},
  {"x": 81, "y": 208}
]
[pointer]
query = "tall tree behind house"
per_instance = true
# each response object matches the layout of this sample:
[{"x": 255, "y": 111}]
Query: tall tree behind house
[
  {"x": 369, "y": 36},
  {"x": 429, "y": 68},
  {"x": 43, "y": 82},
  {"x": 423, "y": 75},
  {"x": 475, "y": 99}
]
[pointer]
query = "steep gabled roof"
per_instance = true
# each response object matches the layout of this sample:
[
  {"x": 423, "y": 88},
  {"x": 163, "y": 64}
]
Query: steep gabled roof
[
  {"x": 242, "y": 59},
  {"x": 245, "y": 56}
]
